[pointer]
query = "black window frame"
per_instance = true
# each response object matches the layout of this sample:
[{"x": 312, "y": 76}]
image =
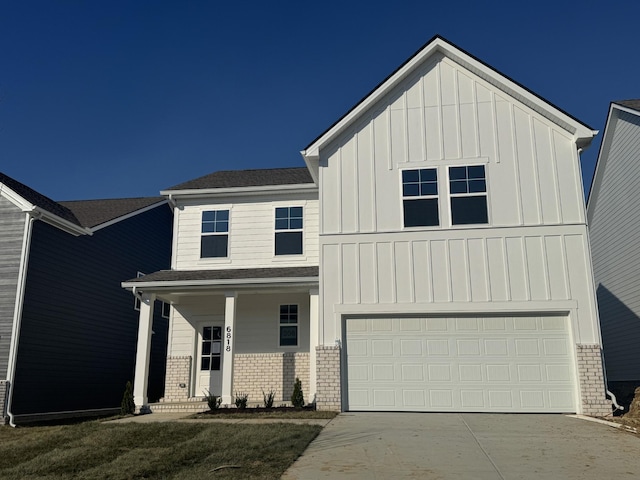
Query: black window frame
[{"x": 289, "y": 320}]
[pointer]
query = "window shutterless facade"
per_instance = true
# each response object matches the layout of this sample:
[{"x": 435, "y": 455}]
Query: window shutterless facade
[
  {"x": 288, "y": 227},
  {"x": 215, "y": 234},
  {"x": 468, "y": 195},
  {"x": 420, "y": 197},
  {"x": 288, "y": 325}
]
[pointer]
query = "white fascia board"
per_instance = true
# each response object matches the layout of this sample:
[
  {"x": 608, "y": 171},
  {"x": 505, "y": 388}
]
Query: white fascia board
[
  {"x": 241, "y": 191},
  {"x": 625, "y": 109},
  {"x": 18, "y": 200},
  {"x": 582, "y": 135},
  {"x": 229, "y": 283},
  {"x": 128, "y": 215}
]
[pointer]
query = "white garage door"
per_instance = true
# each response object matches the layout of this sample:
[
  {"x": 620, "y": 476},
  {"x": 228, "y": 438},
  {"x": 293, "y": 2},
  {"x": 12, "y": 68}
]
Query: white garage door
[{"x": 465, "y": 364}]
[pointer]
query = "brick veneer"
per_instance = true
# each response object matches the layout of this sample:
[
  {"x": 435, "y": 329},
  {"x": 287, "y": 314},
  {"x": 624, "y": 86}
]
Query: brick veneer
[
  {"x": 178, "y": 372},
  {"x": 254, "y": 373},
  {"x": 328, "y": 394},
  {"x": 591, "y": 378},
  {"x": 3, "y": 402}
]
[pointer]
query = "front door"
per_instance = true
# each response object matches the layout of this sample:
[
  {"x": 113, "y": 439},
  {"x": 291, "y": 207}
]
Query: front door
[{"x": 209, "y": 365}]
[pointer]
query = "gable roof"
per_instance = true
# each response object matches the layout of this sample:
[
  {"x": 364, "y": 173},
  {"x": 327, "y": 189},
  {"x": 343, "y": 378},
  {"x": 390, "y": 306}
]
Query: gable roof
[
  {"x": 582, "y": 132},
  {"x": 616, "y": 108},
  {"x": 91, "y": 213},
  {"x": 247, "y": 178}
]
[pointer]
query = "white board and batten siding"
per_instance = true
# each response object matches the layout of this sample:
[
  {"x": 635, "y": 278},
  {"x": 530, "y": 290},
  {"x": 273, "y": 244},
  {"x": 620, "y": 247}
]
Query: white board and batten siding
[
  {"x": 251, "y": 233},
  {"x": 614, "y": 222}
]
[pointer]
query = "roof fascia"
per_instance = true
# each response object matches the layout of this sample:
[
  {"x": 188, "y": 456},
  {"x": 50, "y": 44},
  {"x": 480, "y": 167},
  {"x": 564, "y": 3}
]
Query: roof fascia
[
  {"x": 241, "y": 191},
  {"x": 182, "y": 285},
  {"x": 128, "y": 215},
  {"x": 40, "y": 213},
  {"x": 582, "y": 133},
  {"x": 603, "y": 155}
]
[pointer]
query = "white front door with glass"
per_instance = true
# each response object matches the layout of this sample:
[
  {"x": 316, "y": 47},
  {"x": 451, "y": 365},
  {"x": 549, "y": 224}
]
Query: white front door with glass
[{"x": 209, "y": 365}]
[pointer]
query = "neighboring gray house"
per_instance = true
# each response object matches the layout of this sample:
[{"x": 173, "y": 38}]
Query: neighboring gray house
[
  {"x": 67, "y": 330},
  {"x": 613, "y": 214}
]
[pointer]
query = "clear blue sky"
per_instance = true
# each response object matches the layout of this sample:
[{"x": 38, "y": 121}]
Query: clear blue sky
[{"x": 102, "y": 99}]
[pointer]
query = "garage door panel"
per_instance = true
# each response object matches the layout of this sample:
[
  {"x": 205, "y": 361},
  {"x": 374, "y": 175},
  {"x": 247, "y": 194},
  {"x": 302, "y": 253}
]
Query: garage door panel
[{"x": 492, "y": 364}]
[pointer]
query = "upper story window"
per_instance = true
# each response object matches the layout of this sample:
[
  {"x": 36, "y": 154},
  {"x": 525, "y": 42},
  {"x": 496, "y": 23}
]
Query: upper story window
[
  {"x": 420, "y": 197},
  {"x": 215, "y": 234},
  {"x": 468, "y": 190},
  {"x": 288, "y": 230}
]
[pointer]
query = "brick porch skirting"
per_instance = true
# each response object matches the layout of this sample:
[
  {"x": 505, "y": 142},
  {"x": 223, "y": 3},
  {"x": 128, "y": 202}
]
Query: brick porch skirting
[
  {"x": 591, "y": 378},
  {"x": 328, "y": 394},
  {"x": 178, "y": 374}
]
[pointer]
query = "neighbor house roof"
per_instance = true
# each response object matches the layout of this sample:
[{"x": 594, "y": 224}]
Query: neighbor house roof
[
  {"x": 633, "y": 104},
  {"x": 39, "y": 200},
  {"x": 228, "y": 274},
  {"x": 247, "y": 178},
  {"x": 91, "y": 213}
]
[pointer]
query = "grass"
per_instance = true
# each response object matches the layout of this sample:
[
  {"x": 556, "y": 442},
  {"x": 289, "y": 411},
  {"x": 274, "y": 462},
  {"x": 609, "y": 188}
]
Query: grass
[{"x": 171, "y": 450}]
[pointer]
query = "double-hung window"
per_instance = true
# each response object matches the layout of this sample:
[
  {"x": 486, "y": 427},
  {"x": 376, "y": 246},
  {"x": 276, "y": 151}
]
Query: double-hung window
[
  {"x": 215, "y": 234},
  {"x": 288, "y": 325},
  {"x": 468, "y": 190},
  {"x": 288, "y": 231},
  {"x": 420, "y": 197}
]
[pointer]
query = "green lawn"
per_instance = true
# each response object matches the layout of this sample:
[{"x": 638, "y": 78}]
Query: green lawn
[{"x": 173, "y": 450}]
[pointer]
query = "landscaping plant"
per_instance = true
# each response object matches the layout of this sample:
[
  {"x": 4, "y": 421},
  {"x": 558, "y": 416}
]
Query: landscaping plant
[
  {"x": 128, "y": 406},
  {"x": 297, "y": 398},
  {"x": 213, "y": 400},
  {"x": 268, "y": 398},
  {"x": 241, "y": 400}
]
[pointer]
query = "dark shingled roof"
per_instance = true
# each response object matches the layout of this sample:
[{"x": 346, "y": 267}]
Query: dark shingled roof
[
  {"x": 231, "y": 274},
  {"x": 38, "y": 199},
  {"x": 248, "y": 178},
  {"x": 634, "y": 104},
  {"x": 96, "y": 212}
]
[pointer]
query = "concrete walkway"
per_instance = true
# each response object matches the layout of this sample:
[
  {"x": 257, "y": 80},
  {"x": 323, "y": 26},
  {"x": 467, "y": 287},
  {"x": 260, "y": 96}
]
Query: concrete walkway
[
  {"x": 467, "y": 446},
  {"x": 183, "y": 417}
]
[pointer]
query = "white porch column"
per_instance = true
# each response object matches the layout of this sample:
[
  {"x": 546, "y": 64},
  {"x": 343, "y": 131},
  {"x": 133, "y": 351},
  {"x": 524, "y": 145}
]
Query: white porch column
[
  {"x": 227, "y": 347},
  {"x": 314, "y": 327},
  {"x": 143, "y": 353}
]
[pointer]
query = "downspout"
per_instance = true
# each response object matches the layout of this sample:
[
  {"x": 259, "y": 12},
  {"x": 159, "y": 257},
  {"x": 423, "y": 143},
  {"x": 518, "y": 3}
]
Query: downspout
[{"x": 17, "y": 313}]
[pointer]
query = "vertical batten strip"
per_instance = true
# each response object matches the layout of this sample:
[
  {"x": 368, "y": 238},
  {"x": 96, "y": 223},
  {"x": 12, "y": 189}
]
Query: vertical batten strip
[
  {"x": 440, "y": 114},
  {"x": 505, "y": 263},
  {"x": 474, "y": 94},
  {"x": 372, "y": 150},
  {"x": 496, "y": 144},
  {"x": 456, "y": 94},
  {"x": 423, "y": 118},
  {"x": 389, "y": 138},
  {"x": 554, "y": 172},
  {"x": 536, "y": 172},
  {"x": 516, "y": 166},
  {"x": 356, "y": 180}
]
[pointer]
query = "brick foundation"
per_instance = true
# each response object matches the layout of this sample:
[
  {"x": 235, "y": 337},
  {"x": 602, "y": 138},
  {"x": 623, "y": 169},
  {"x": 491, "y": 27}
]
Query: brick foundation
[
  {"x": 591, "y": 378},
  {"x": 3, "y": 402},
  {"x": 328, "y": 392},
  {"x": 255, "y": 372},
  {"x": 178, "y": 373}
]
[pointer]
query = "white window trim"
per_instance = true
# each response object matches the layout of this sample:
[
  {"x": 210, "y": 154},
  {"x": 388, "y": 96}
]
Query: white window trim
[
  {"x": 297, "y": 325},
  {"x": 296, "y": 256},
  {"x": 474, "y": 194},
  {"x": 437, "y": 196},
  {"x": 162, "y": 310},
  {"x": 210, "y": 234}
]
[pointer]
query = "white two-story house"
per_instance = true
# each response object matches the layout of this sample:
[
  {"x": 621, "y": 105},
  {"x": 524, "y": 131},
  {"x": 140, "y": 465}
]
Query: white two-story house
[{"x": 432, "y": 257}]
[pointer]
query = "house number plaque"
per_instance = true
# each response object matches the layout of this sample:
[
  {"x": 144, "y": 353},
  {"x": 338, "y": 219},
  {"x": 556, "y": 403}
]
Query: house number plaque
[{"x": 228, "y": 340}]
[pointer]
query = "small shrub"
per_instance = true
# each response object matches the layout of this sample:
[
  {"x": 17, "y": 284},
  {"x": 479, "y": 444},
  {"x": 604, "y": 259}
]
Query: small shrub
[
  {"x": 297, "y": 397},
  {"x": 213, "y": 400},
  {"x": 241, "y": 400},
  {"x": 268, "y": 398},
  {"x": 128, "y": 406}
]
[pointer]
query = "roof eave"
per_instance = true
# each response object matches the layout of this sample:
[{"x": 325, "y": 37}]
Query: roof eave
[
  {"x": 241, "y": 191},
  {"x": 58, "y": 222},
  {"x": 235, "y": 283}
]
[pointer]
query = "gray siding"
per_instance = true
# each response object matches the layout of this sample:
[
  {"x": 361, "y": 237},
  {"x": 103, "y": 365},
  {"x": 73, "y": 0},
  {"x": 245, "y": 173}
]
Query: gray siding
[
  {"x": 79, "y": 327},
  {"x": 12, "y": 221},
  {"x": 615, "y": 243}
]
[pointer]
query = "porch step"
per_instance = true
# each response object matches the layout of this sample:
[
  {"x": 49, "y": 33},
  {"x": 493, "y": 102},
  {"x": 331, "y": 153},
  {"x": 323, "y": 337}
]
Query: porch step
[{"x": 179, "y": 407}]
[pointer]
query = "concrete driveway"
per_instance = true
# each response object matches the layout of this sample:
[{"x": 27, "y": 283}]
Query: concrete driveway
[{"x": 468, "y": 446}]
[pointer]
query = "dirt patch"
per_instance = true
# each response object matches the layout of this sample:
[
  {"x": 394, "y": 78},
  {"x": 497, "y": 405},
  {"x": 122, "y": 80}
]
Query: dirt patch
[
  {"x": 631, "y": 419},
  {"x": 275, "y": 412}
]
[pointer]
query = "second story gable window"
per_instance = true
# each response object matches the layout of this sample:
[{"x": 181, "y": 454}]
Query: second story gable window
[
  {"x": 288, "y": 231},
  {"x": 468, "y": 190},
  {"x": 214, "y": 240},
  {"x": 420, "y": 197}
]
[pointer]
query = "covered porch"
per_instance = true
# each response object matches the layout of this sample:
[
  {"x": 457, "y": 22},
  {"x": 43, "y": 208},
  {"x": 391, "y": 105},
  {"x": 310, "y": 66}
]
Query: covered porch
[{"x": 231, "y": 332}]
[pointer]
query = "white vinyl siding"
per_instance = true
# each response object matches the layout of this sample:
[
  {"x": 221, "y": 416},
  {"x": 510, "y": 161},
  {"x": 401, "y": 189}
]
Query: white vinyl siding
[
  {"x": 461, "y": 364},
  {"x": 614, "y": 222},
  {"x": 251, "y": 236}
]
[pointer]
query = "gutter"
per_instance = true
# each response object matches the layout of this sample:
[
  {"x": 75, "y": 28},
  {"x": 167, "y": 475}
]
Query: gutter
[{"x": 17, "y": 313}]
